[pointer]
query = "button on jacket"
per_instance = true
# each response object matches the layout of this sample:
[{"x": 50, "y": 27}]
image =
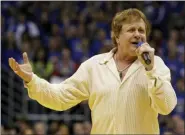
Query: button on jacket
[{"x": 130, "y": 106}]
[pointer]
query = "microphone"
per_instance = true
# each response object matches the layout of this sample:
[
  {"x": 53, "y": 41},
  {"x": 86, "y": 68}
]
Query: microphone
[{"x": 145, "y": 55}]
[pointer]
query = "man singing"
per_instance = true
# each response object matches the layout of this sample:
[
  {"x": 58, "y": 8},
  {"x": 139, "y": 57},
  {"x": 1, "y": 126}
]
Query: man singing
[{"x": 126, "y": 88}]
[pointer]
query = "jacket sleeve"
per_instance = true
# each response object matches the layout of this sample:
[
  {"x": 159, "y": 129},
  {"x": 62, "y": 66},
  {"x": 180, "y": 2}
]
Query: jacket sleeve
[
  {"x": 60, "y": 96},
  {"x": 161, "y": 92}
]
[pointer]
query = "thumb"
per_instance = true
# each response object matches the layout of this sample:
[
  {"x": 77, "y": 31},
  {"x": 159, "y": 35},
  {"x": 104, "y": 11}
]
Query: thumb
[{"x": 25, "y": 58}]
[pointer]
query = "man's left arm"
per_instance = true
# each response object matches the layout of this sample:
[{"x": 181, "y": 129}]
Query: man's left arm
[{"x": 161, "y": 92}]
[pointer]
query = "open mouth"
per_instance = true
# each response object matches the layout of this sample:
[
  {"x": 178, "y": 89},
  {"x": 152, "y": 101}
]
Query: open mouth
[{"x": 135, "y": 43}]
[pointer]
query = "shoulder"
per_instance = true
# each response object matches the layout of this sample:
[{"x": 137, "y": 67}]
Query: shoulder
[
  {"x": 158, "y": 60},
  {"x": 92, "y": 63},
  {"x": 96, "y": 59},
  {"x": 160, "y": 65}
]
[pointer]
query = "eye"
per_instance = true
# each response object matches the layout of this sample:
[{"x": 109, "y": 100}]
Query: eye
[
  {"x": 131, "y": 30},
  {"x": 141, "y": 31}
]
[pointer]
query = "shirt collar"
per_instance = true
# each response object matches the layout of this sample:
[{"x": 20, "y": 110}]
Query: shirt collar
[{"x": 108, "y": 56}]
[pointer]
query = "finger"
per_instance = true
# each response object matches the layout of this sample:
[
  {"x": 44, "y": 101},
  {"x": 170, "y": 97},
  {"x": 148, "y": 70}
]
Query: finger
[
  {"x": 140, "y": 48},
  {"x": 152, "y": 50},
  {"x": 145, "y": 49},
  {"x": 146, "y": 44},
  {"x": 25, "y": 58},
  {"x": 13, "y": 64},
  {"x": 10, "y": 62},
  {"x": 140, "y": 58},
  {"x": 19, "y": 72},
  {"x": 17, "y": 69}
]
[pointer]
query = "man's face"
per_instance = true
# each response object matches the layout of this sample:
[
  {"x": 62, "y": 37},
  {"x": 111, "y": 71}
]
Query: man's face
[{"x": 130, "y": 35}]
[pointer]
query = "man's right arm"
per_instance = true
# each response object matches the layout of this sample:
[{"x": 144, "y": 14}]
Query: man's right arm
[{"x": 60, "y": 96}]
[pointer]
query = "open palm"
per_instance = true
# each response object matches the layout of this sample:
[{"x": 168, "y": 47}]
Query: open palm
[{"x": 22, "y": 70}]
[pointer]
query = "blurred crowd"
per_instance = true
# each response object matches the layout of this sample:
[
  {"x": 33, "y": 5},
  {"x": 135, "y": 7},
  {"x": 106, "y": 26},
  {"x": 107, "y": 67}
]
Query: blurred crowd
[
  {"x": 58, "y": 36},
  {"x": 24, "y": 127}
]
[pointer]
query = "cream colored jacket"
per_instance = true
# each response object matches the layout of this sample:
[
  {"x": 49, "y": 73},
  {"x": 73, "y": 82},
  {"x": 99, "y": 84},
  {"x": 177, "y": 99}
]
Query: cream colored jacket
[{"x": 130, "y": 106}]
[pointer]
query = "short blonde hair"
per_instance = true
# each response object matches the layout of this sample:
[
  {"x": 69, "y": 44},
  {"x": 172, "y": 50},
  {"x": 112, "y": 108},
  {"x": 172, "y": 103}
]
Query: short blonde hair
[{"x": 127, "y": 16}]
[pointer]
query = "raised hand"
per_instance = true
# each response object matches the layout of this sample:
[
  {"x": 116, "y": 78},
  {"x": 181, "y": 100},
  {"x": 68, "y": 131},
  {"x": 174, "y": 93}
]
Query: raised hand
[{"x": 24, "y": 70}]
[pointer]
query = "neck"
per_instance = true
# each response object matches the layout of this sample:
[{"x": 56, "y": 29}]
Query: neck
[{"x": 124, "y": 57}]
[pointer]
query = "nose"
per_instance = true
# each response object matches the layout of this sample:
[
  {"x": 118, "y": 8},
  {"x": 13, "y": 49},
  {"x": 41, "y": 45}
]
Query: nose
[{"x": 137, "y": 34}]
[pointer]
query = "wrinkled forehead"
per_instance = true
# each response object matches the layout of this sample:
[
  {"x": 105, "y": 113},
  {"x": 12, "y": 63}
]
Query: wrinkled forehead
[
  {"x": 134, "y": 22},
  {"x": 132, "y": 18},
  {"x": 128, "y": 19}
]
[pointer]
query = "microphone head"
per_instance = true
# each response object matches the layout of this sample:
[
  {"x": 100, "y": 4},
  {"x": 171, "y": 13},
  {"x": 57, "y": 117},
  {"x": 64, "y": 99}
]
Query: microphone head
[{"x": 139, "y": 44}]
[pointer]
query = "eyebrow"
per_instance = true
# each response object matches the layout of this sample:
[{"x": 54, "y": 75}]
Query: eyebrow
[
  {"x": 131, "y": 27},
  {"x": 134, "y": 27}
]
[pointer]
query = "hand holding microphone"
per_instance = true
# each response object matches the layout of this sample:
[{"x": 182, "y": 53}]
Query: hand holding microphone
[{"x": 145, "y": 55}]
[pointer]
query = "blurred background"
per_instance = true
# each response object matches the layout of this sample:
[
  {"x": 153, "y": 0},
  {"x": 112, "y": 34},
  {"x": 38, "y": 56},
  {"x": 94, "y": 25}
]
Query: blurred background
[{"x": 58, "y": 37}]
